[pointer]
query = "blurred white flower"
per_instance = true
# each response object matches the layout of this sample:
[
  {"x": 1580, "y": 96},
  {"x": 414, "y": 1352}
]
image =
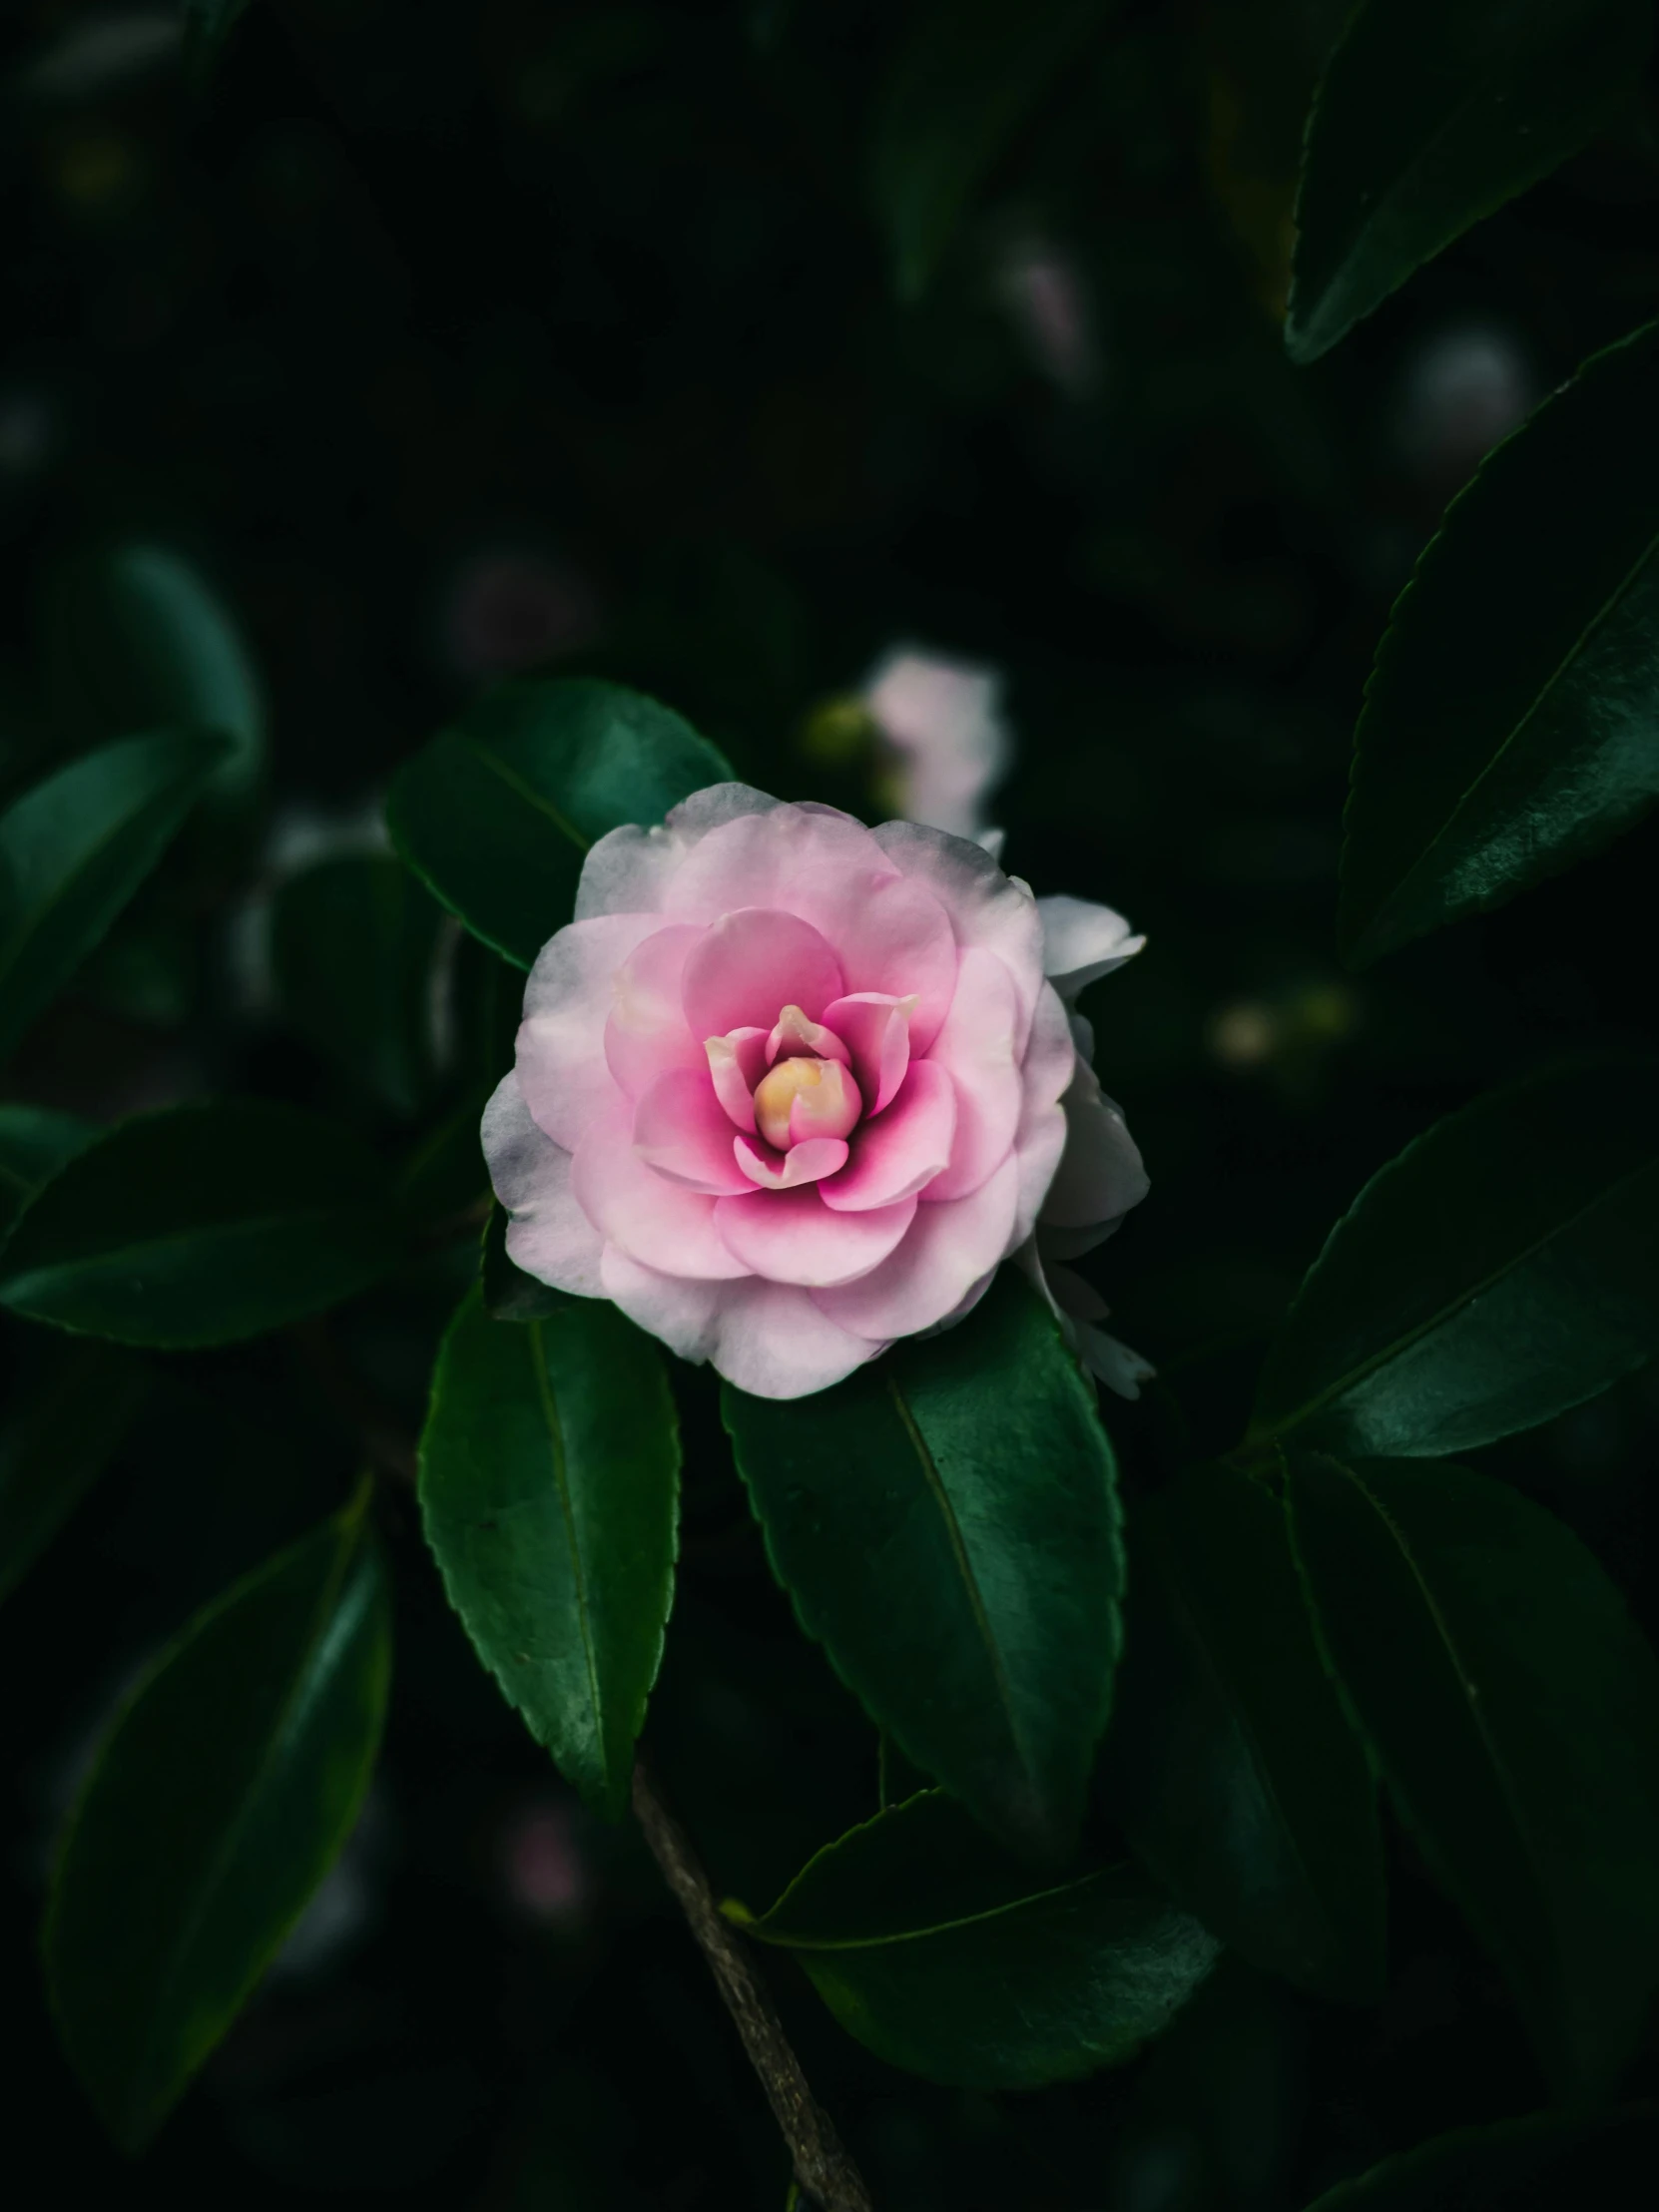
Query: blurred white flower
[
  {"x": 1464, "y": 389},
  {"x": 947, "y": 743},
  {"x": 508, "y": 610},
  {"x": 1047, "y": 302}
]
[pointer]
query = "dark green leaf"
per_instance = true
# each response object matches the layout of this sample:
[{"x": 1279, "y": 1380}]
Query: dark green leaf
[
  {"x": 1503, "y": 1268},
  {"x": 495, "y": 814},
  {"x": 201, "y": 1224},
  {"x": 938, "y": 1952},
  {"x": 1519, "y": 2162},
  {"x": 510, "y": 1294},
  {"x": 75, "y": 849},
  {"x": 963, "y": 81},
  {"x": 1432, "y": 114},
  {"x": 946, "y": 1524},
  {"x": 443, "y": 1181},
  {"x": 355, "y": 943},
  {"x": 1230, "y": 1762},
  {"x": 1511, "y": 723},
  {"x": 208, "y": 24},
  {"x": 549, "y": 1485},
  {"x": 1513, "y": 1707},
  {"x": 139, "y": 642},
  {"x": 217, "y": 1803},
  {"x": 60, "y": 1431},
  {"x": 35, "y": 1142}
]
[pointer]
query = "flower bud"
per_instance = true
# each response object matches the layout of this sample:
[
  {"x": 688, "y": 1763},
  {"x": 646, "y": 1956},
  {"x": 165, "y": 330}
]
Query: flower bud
[{"x": 806, "y": 1098}]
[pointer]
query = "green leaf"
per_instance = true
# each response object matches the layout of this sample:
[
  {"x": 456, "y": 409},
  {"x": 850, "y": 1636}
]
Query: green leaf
[
  {"x": 355, "y": 943},
  {"x": 1503, "y": 1268},
  {"x": 942, "y": 1957},
  {"x": 1512, "y": 722},
  {"x": 75, "y": 849},
  {"x": 217, "y": 1803},
  {"x": 35, "y": 1140},
  {"x": 963, "y": 81},
  {"x": 60, "y": 1431},
  {"x": 137, "y": 641},
  {"x": 549, "y": 1486},
  {"x": 208, "y": 24},
  {"x": 1432, "y": 114},
  {"x": 1516, "y": 2162},
  {"x": 946, "y": 1524},
  {"x": 1513, "y": 1708},
  {"x": 509, "y": 1294},
  {"x": 495, "y": 816},
  {"x": 1230, "y": 1762},
  {"x": 201, "y": 1224}
]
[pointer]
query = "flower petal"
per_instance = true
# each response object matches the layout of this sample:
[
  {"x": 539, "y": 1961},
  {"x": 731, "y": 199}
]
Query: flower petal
[
  {"x": 548, "y": 1234},
  {"x": 644, "y": 1031},
  {"x": 893, "y": 936},
  {"x": 737, "y": 1062},
  {"x": 629, "y": 869},
  {"x": 1082, "y": 942},
  {"x": 979, "y": 1048},
  {"x": 1039, "y": 1142},
  {"x": 750, "y": 963},
  {"x": 681, "y": 1130},
  {"x": 949, "y": 1247},
  {"x": 793, "y": 1237},
  {"x": 797, "y": 1039},
  {"x": 1100, "y": 1175},
  {"x": 899, "y": 1154},
  {"x": 561, "y": 1042},
  {"x": 877, "y": 1030},
  {"x": 657, "y": 1223},
  {"x": 775, "y": 858},
  {"x": 988, "y": 910},
  {"x": 786, "y": 1170},
  {"x": 768, "y": 1338}
]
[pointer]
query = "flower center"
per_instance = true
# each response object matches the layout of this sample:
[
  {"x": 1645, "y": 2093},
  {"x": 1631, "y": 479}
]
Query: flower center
[{"x": 805, "y": 1097}]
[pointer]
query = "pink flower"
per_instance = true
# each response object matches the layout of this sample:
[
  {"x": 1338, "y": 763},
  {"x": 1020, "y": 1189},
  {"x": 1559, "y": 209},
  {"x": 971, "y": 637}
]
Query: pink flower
[{"x": 788, "y": 1089}]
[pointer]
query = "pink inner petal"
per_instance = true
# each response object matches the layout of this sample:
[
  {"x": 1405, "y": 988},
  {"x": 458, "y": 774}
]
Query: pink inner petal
[
  {"x": 751, "y": 963},
  {"x": 895, "y": 937},
  {"x": 661, "y": 1224},
  {"x": 793, "y": 1237},
  {"x": 797, "y": 1039},
  {"x": 949, "y": 1248},
  {"x": 877, "y": 1028},
  {"x": 646, "y": 1032},
  {"x": 680, "y": 1130},
  {"x": 899, "y": 1155},
  {"x": 786, "y": 1170},
  {"x": 737, "y": 1062}
]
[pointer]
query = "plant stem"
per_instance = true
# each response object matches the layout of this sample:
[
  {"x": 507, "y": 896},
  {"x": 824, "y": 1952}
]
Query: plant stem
[{"x": 825, "y": 2174}]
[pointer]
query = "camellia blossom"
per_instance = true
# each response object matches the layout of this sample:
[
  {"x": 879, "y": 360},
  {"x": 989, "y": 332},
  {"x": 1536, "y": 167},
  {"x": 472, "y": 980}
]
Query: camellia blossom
[
  {"x": 944, "y": 726},
  {"x": 788, "y": 1089}
]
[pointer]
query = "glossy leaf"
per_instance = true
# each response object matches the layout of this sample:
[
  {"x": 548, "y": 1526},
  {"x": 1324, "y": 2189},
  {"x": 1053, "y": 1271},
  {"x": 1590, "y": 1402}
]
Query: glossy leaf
[
  {"x": 1544, "y": 2161},
  {"x": 495, "y": 814},
  {"x": 1432, "y": 114},
  {"x": 549, "y": 1485},
  {"x": 945, "y": 1958},
  {"x": 962, "y": 82},
  {"x": 35, "y": 1140},
  {"x": 946, "y": 1524},
  {"x": 1503, "y": 1268},
  {"x": 1513, "y": 1708},
  {"x": 75, "y": 849},
  {"x": 1230, "y": 1762},
  {"x": 63, "y": 1424},
  {"x": 217, "y": 1803},
  {"x": 201, "y": 1224},
  {"x": 1511, "y": 723},
  {"x": 355, "y": 943},
  {"x": 138, "y": 640}
]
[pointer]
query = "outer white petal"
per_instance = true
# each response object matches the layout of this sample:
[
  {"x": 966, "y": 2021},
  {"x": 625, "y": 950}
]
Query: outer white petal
[
  {"x": 548, "y": 1234},
  {"x": 566, "y": 1079},
  {"x": 627, "y": 871},
  {"x": 1040, "y": 1143},
  {"x": 1077, "y": 1307},
  {"x": 1082, "y": 942},
  {"x": 766, "y": 1337}
]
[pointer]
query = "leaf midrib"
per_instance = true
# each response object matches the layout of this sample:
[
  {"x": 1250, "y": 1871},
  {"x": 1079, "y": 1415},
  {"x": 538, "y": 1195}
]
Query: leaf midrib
[
  {"x": 964, "y": 1568},
  {"x": 524, "y": 789},
  {"x": 940, "y": 1928},
  {"x": 578, "y": 1572},
  {"x": 1397, "y": 1346},
  {"x": 1470, "y": 1703},
  {"x": 126, "y": 1255},
  {"x": 1575, "y": 651}
]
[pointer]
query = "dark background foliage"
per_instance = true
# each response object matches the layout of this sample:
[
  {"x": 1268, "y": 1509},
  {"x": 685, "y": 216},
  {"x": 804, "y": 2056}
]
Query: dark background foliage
[{"x": 447, "y": 341}]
